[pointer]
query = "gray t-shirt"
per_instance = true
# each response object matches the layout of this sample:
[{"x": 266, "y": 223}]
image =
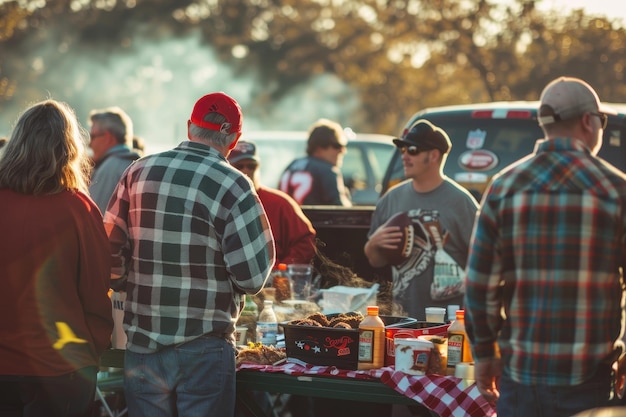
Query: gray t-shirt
[{"x": 443, "y": 220}]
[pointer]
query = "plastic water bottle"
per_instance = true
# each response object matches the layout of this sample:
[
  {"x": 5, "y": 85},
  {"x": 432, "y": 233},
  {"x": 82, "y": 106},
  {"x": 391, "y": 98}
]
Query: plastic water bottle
[
  {"x": 248, "y": 318},
  {"x": 267, "y": 325}
]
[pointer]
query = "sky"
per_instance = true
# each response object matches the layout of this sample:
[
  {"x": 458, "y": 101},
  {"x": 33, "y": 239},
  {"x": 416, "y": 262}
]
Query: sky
[{"x": 609, "y": 8}]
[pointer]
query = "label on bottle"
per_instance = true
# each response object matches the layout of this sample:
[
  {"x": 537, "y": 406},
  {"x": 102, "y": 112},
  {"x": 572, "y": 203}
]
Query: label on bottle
[
  {"x": 266, "y": 332},
  {"x": 455, "y": 349},
  {"x": 366, "y": 346}
]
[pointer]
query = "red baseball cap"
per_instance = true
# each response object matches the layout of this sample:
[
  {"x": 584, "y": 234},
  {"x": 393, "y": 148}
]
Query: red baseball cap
[{"x": 218, "y": 103}]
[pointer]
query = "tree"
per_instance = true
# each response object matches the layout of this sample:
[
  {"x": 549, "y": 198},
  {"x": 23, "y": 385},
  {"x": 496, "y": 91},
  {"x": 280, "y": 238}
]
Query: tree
[{"x": 397, "y": 56}]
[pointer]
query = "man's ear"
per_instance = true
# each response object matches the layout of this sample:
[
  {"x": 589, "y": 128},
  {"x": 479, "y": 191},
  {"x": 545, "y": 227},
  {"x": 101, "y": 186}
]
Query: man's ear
[
  {"x": 188, "y": 125},
  {"x": 232, "y": 145}
]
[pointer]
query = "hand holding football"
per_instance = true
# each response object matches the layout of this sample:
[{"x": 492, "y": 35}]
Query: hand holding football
[{"x": 403, "y": 250}]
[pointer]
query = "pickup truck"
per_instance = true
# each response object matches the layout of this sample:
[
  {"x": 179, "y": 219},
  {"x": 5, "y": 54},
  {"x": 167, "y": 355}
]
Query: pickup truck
[
  {"x": 341, "y": 234},
  {"x": 485, "y": 138}
]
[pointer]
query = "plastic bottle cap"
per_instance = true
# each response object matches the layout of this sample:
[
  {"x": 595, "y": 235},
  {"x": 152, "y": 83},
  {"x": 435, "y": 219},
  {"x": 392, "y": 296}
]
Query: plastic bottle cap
[
  {"x": 372, "y": 310},
  {"x": 460, "y": 314},
  {"x": 282, "y": 267}
]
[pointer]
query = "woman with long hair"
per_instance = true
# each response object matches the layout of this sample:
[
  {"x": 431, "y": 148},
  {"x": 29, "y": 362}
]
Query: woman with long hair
[{"x": 55, "y": 315}]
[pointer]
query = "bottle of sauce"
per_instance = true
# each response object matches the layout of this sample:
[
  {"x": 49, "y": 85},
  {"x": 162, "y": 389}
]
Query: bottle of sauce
[
  {"x": 267, "y": 325},
  {"x": 282, "y": 283},
  {"x": 458, "y": 343},
  {"x": 248, "y": 318},
  {"x": 371, "y": 340}
]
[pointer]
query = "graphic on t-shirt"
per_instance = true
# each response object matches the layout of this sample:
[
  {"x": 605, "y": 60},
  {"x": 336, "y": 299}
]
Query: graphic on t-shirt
[{"x": 430, "y": 237}]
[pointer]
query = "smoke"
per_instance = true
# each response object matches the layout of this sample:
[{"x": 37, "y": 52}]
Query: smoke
[{"x": 158, "y": 82}]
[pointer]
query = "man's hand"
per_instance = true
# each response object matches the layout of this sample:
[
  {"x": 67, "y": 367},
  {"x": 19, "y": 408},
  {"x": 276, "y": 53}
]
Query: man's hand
[
  {"x": 487, "y": 374},
  {"x": 385, "y": 237}
]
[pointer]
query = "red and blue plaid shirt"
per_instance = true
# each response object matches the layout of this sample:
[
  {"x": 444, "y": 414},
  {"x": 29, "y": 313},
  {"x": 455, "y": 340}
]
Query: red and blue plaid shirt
[{"x": 543, "y": 273}]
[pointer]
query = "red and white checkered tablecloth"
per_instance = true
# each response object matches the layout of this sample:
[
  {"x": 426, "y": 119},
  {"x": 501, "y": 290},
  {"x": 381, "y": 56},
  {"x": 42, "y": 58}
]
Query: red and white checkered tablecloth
[{"x": 445, "y": 395}]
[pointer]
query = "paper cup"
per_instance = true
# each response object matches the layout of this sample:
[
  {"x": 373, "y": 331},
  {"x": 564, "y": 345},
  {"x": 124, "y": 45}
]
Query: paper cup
[
  {"x": 240, "y": 335},
  {"x": 452, "y": 309},
  {"x": 465, "y": 371},
  {"x": 435, "y": 314}
]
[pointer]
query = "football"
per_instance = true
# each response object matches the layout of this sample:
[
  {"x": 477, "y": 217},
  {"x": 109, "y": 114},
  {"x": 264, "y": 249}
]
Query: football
[{"x": 402, "y": 252}]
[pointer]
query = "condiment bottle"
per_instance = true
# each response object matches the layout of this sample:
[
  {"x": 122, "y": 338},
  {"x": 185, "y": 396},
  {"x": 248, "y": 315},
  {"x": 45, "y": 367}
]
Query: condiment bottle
[
  {"x": 248, "y": 318},
  {"x": 267, "y": 325},
  {"x": 371, "y": 340},
  {"x": 282, "y": 283},
  {"x": 458, "y": 343}
]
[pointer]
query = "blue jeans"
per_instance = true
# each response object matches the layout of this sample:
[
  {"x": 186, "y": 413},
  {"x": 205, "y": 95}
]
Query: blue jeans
[
  {"x": 193, "y": 379},
  {"x": 517, "y": 400}
]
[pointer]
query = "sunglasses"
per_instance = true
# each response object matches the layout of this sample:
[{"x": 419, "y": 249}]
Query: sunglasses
[
  {"x": 604, "y": 119},
  {"x": 412, "y": 150},
  {"x": 337, "y": 145},
  {"x": 248, "y": 165}
]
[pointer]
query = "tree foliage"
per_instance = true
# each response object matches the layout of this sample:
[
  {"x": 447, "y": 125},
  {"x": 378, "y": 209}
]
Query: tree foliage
[{"x": 399, "y": 55}]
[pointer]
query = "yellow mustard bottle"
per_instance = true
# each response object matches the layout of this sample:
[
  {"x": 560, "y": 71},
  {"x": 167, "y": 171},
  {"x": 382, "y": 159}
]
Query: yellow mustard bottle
[
  {"x": 371, "y": 340},
  {"x": 458, "y": 344}
]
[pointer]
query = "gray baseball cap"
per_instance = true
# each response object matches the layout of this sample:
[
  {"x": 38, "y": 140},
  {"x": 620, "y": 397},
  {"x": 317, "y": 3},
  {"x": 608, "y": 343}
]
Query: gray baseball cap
[{"x": 567, "y": 98}]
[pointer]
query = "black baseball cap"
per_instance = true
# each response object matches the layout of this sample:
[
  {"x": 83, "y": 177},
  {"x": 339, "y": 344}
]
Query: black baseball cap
[{"x": 425, "y": 136}]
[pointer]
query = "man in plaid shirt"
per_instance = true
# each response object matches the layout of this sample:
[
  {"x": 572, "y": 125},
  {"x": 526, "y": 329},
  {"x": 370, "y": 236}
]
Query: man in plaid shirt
[
  {"x": 189, "y": 237},
  {"x": 543, "y": 276}
]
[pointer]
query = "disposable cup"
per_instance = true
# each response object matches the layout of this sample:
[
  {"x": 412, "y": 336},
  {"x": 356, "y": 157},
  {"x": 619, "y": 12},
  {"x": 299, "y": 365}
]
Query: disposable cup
[
  {"x": 435, "y": 314},
  {"x": 452, "y": 309},
  {"x": 240, "y": 335},
  {"x": 412, "y": 355},
  {"x": 300, "y": 276},
  {"x": 465, "y": 371}
]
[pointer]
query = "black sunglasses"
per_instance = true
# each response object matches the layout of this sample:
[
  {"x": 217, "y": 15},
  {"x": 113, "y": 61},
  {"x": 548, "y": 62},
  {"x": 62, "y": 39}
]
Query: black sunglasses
[
  {"x": 603, "y": 118},
  {"x": 411, "y": 150}
]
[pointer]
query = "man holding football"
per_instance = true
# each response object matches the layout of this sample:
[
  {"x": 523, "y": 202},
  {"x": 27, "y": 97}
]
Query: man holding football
[{"x": 422, "y": 226}]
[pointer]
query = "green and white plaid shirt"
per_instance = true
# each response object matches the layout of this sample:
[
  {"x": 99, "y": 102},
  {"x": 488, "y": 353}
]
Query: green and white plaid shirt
[{"x": 189, "y": 236}]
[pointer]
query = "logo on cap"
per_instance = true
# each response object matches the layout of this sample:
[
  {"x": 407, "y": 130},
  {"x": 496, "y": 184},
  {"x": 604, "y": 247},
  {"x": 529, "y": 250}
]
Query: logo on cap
[{"x": 225, "y": 128}]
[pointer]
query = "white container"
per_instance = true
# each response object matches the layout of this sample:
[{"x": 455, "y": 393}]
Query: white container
[
  {"x": 340, "y": 299},
  {"x": 435, "y": 314},
  {"x": 240, "y": 335},
  {"x": 412, "y": 355},
  {"x": 465, "y": 371},
  {"x": 452, "y": 308}
]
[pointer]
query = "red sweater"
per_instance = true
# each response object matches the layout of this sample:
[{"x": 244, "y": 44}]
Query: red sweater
[
  {"x": 292, "y": 230},
  {"x": 55, "y": 271}
]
